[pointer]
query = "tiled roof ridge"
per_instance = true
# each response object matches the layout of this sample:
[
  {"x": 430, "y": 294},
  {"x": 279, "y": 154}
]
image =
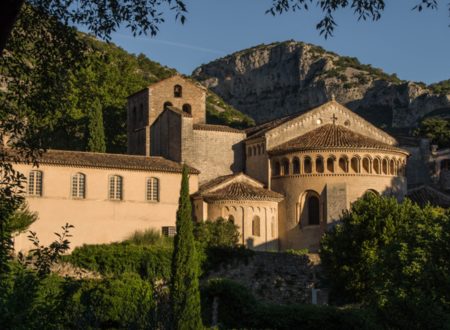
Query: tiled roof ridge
[
  {"x": 156, "y": 83},
  {"x": 243, "y": 191},
  {"x": 333, "y": 136},
  {"x": 216, "y": 183},
  {"x": 217, "y": 128},
  {"x": 161, "y": 164},
  {"x": 424, "y": 194}
]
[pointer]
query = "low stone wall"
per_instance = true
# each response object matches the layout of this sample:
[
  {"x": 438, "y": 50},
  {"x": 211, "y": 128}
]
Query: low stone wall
[{"x": 274, "y": 277}]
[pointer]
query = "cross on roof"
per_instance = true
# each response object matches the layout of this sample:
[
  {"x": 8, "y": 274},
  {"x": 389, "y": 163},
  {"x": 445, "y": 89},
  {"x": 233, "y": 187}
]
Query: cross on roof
[{"x": 334, "y": 118}]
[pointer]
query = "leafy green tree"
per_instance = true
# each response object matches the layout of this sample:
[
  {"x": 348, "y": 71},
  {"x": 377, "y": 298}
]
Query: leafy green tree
[
  {"x": 411, "y": 278},
  {"x": 350, "y": 249},
  {"x": 437, "y": 130},
  {"x": 364, "y": 9},
  {"x": 96, "y": 133},
  {"x": 216, "y": 233},
  {"x": 185, "y": 296},
  {"x": 21, "y": 219}
]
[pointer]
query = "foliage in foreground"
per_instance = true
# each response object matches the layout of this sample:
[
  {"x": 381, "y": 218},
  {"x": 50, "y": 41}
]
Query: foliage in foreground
[
  {"x": 21, "y": 219},
  {"x": 348, "y": 251},
  {"x": 184, "y": 293},
  {"x": 148, "y": 237},
  {"x": 239, "y": 309}
]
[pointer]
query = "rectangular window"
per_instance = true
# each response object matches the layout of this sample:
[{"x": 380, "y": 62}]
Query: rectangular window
[
  {"x": 115, "y": 187},
  {"x": 169, "y": 231},
  {"x": 78, "y": 185},
  {"x": 35, "y": 183},
  {"x": 152, "y": 189}
]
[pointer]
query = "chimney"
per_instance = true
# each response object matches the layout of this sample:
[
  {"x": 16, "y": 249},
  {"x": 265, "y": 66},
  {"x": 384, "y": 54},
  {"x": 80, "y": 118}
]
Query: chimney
[{"x": 434, "y": 147}]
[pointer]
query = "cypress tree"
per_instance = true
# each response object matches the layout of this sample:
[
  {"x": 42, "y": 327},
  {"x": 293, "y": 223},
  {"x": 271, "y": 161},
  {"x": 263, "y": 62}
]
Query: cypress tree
[
  {"x": 185, "y": 296},
  {"x": 96, "y": 133}
]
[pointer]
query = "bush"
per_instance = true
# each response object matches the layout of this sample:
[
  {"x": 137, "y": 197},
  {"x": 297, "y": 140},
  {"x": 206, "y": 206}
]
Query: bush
[
  {"x": 151, "y": 262},
  {"x": 239, "y": 309},
  {"x": 150, "y": 236},
  {"x": 299, "y": 252},
  {"x": 348, "y": 251},
  {"x": 411, "y": 278},
  {"x": 218, "y": 233}
]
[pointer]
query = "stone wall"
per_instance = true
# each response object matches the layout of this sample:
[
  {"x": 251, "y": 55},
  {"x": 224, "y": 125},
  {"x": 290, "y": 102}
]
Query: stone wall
[
  {"x": 166, "y": 135},
  {"x": 257, "y": 161},
  {"x": 214, "y": 153},
  {"x": 419, "y": 163},
  {"x": 137, "y": 119},
  {"x": 445, "y": 180},
  {"x": 278, "y": 278}
]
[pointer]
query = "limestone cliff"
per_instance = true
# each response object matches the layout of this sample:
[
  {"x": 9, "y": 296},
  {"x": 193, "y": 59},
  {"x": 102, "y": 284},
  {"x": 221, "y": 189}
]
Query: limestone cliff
[{"x": 271, "y": 81}]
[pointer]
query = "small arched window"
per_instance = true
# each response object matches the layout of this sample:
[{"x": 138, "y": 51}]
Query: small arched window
[
  {"x": 366, "y": 165},
  {"x": 285, "y": 167},
  {"x": 330, "y": 165},
  {"x": 256, "y": 226},
  {"x": 319, "y": 165},
  {"x": 272, "y": 227},
  {"x": 313, "y": 211},
  {"x": 177, "y": 91},
  {"x": 355, "y": 165},
  {"x": 78, "y": 181},
  {"x": 276, "y": 168},
  {"x": 249, "y": 151},
  {"x": 262, "y": 149},
  {"x": 307, "y": 165},
  {"x": 254, "y": 151},
  {"x": 376, "y": 166},
  {"x": 115, "y": 187},
  {"x": 392, "y": 167},
  {"x": 385, "y": 166},
  {"x": 35, "y": 183},
  {"x": 259, "y": 149},
  {"x": 399, "y": 168},
  {"x": 343, "y": 165},
  {"x": 152, "y": 189},
  {"x": 231, "y": 219},
  {"x": 167, "y": 104},
  {"x": 296, "y": 166},
  {"x": 187, "y": 108}
]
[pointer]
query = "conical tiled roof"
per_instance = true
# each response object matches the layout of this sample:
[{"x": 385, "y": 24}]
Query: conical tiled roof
[
  {"x": 243, "y": 191},
  {"x": 331, "y": 136}
]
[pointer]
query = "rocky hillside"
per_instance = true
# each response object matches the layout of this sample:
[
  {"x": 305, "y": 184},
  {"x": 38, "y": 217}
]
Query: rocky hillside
[{"x": 270, "y": 81}]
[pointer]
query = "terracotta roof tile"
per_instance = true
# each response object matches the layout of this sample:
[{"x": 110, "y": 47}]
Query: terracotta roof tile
[
  {"x": 217, "y": 128},
  {"x": 219, "y": 189},
  {"x": 333, "y": 136},
  {"x": 261, "y": 129},
  {"x": 113, "y": 161},
  {"x": 243, "y": 191},
  {"x": 424, "y": 194}
]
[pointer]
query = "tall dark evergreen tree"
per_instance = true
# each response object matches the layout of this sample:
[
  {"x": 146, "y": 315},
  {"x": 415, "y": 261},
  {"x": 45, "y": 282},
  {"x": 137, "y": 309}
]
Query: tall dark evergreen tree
[
  {"x": 96, "y": 133},
  {"x": 185, "y": 296}
]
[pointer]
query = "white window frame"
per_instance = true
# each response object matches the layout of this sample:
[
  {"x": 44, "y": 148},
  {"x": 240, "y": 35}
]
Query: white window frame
[
  {"x": 78, "y": 187},
  {"x": 152, "y": 186},
  {"x": 115, "y": 187},
  {"x": 35, "y": 183}
]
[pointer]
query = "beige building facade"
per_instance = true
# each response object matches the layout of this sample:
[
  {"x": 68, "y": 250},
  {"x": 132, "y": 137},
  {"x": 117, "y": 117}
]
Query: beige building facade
[{"x": 283, "y": 182}]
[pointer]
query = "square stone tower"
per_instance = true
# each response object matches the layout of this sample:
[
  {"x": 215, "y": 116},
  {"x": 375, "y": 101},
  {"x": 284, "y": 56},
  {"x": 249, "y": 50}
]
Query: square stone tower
[{"x": 146, "y": 105}]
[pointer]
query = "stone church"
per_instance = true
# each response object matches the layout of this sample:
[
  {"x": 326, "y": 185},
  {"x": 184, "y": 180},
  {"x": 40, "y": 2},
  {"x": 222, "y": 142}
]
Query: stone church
[{"x": 283, "y": 182}]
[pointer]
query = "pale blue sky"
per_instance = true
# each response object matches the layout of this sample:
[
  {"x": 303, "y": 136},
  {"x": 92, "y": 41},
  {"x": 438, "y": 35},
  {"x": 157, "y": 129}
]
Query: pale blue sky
[{"x": 414, "y": 45}]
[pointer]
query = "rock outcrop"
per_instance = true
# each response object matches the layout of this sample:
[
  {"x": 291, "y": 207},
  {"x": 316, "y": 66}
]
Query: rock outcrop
[{"x": 271, "y": 81}]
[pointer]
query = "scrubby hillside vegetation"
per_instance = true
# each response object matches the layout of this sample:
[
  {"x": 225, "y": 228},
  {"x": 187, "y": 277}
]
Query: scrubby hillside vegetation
[
  {"x": 271, "y": 81},
  {"x": 109, "y": 77}
]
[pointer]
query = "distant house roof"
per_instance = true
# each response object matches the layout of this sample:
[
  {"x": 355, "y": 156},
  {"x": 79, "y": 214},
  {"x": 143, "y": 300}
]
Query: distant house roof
[
  {"x": 111, "y": 161},
  {"x": 236, "y": 187},
  {"x": 423, "y": 194},
  {"x": 159, "y": 82},
  {"x": 331, "y": 136},
  {"x": 217, "y": 128}
]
